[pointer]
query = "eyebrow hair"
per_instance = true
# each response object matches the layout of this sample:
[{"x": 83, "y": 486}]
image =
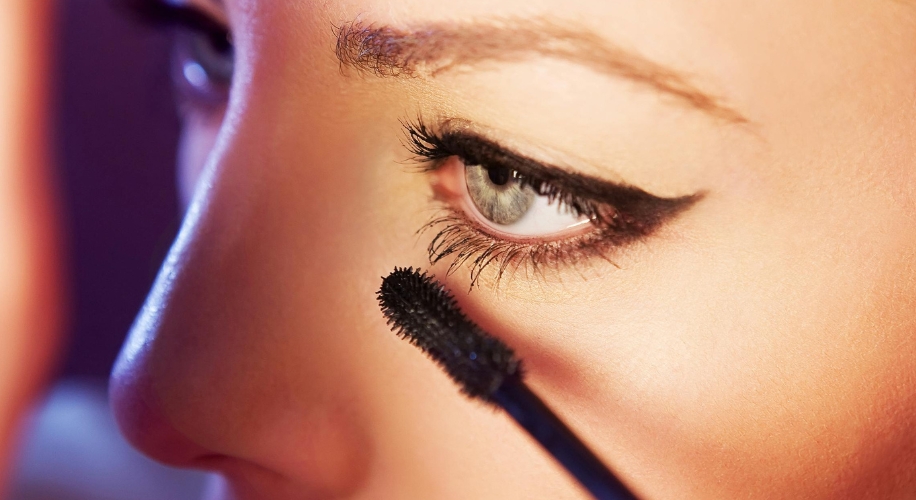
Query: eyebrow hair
[{"x": 434, "y": 48}]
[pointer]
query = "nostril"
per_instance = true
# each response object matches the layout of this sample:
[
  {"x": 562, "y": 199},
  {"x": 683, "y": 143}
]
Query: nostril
[
  {"x": 325, "y": 452},
  {"x": 143, "y": 423}
]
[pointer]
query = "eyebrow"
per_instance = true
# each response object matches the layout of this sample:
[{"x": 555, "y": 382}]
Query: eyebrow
[{"x": 434, "y": 48}]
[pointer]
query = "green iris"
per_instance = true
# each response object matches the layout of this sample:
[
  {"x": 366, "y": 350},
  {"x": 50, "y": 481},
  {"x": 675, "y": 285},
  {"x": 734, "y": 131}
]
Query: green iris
[{"x": 498, "y": 193}]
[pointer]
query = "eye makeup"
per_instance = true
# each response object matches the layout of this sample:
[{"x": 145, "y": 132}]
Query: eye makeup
[{"x": 617, "y": 214}]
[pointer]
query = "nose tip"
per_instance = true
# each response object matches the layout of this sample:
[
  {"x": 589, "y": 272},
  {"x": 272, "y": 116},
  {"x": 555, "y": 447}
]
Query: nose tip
[{"x": 142, "y": 421}]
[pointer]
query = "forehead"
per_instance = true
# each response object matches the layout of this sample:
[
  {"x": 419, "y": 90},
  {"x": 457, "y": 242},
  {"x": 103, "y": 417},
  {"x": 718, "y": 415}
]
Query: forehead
[
  {"x": 659, "y": 20},
  {"x": 777, "y": 62},
  {"x": 723, "y": 46}
]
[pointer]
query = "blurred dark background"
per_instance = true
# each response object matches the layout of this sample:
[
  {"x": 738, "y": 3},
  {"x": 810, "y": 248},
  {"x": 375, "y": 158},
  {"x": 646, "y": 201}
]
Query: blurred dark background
[{"x": 116, "y": 134}]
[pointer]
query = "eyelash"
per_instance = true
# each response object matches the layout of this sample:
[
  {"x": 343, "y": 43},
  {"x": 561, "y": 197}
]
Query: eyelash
[{"x": 468, "y": 242}]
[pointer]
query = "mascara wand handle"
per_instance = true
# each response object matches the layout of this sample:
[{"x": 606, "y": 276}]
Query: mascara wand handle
[{"x": 535, "y": 417}]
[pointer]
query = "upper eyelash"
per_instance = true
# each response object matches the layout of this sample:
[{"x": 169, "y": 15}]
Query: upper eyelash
[
  {"x": 620, "y": 214},
  {"x": 430, "y": 147}
]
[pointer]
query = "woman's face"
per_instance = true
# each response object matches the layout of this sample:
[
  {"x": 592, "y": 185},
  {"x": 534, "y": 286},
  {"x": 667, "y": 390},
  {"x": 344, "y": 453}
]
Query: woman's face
[{"x": 706, "y": 264}]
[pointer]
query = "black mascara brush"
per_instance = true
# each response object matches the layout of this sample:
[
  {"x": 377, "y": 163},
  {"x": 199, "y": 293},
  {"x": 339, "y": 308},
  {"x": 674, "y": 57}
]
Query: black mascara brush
[{"x": 420, "y": 310}]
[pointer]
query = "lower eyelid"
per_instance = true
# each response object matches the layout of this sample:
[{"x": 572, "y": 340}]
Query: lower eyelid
[{"x": 474, "y": 217}]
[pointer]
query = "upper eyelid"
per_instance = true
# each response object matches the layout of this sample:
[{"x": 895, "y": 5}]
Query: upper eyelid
[
  {"x": 494, "y": 153},
  {"x": 460, "y": 143},
  {"x": 213, "y": 8},
  {"x": 448, "y": 139},
  {"x": 187, "y": 14}
]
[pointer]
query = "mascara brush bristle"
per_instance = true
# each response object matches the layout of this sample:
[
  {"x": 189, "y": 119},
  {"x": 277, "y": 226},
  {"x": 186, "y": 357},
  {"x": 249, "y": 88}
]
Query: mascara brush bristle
[{"x": 420, "y": 310}]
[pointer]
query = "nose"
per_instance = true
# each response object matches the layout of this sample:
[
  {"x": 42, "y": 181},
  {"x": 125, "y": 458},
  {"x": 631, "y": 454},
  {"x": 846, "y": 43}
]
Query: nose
[
  {"x": 141, "y": 418},
  {"x": 204, "y": 379},
  {"x": 240, "y": 358}
]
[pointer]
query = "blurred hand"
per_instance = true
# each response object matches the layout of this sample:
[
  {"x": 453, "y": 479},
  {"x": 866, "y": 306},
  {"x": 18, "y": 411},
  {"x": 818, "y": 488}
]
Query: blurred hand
[{"x": 29, "y": 264}]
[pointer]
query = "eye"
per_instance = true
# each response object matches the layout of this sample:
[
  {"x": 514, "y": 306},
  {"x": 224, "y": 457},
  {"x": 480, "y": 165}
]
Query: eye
[
  {"x": 204, "y": 64},
  {"x": 507, "y": 203},
  {"x": 503, "y": 209},
  {"x": 203, "y": 58}
]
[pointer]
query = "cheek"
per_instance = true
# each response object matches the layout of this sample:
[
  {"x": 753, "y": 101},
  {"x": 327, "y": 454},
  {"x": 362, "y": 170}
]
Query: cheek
[
  {"x": 774, "y": 358},
  {"x": 785, "y": 367}
]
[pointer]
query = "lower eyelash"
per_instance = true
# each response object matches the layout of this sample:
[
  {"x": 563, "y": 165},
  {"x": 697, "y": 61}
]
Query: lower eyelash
[{"x": 467, "y": 243}]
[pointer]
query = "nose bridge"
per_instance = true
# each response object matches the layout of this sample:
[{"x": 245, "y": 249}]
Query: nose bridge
[
  {"x": 171, "y": 367},
  {"x": 242, "y": 313}
]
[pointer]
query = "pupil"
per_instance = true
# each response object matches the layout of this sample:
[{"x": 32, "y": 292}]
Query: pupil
[{"x": 499, "y": 175}]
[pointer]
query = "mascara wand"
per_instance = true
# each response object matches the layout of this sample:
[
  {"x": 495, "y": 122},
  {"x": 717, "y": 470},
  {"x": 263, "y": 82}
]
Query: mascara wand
[{"x": 420, "y": 310}]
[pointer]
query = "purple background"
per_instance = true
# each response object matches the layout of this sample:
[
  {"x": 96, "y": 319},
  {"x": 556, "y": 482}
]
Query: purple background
[{"x": 116, "y": 134}]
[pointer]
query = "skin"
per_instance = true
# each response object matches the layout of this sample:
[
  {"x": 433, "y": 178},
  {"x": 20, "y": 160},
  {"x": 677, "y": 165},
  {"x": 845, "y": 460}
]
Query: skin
[
  {"x": 760, "y": 345},
  {"x": 30, "y": 299}
]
